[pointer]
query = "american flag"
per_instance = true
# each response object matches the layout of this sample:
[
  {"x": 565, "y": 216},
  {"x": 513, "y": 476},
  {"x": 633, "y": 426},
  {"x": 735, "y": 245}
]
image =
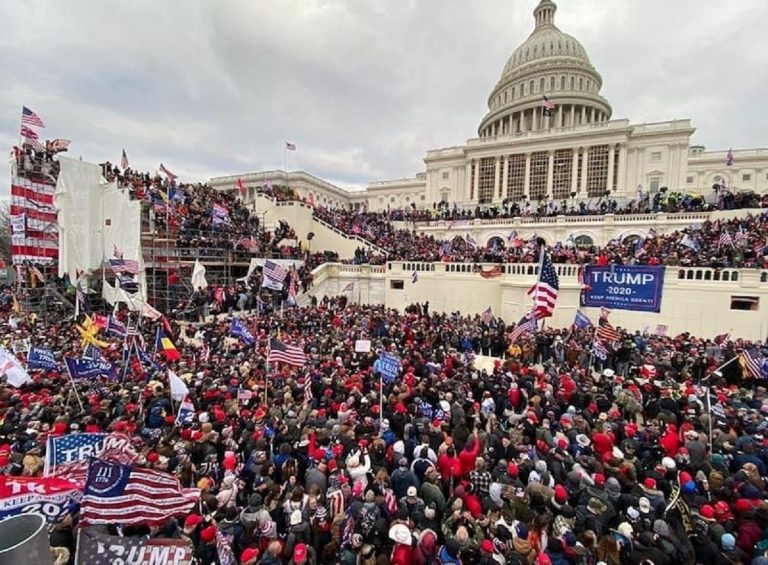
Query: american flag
[
  {"x": 606, "y": 332},
  {"x": 348, "y": 287},
  {"x": 470, "y": 240},
  {"x": 290, "y": 146},
  {"x": 280, "y": 352},
  {"x": 29, "y": 133},
  {"x": 390, "y": 501},
  {"x": 205, "y": 353},
  {"x": 292, "y": 287},
  {"x": 336, "y": 503},
  {"x": 275, "y": 271},
  {"x": 168, "y": 173},
  {"x": 527, "y": 324},
  {"x": 120, "y": 265},
  {"x": 121, "y": 494},
  {"x": 347, "y": 530},
  {"x": 725, "y": 239},
  {"x": 545, "y": 291},
  {"x": 741, "y": 235},
  {"x": 124, "y": 161},
  {"x": 30, "y": 118},
  {"x": 487, "y": 316},
  {"x": 116, "y": 328},
  {"x": 751, "y": 364},
  {"x": 240, "y": 186},
  {"x": 224, "y": 549}
]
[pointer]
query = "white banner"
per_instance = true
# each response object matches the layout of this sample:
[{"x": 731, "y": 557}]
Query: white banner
[
  {"x": 18, "y": 223},
  {"x": 363, "y": 346}
]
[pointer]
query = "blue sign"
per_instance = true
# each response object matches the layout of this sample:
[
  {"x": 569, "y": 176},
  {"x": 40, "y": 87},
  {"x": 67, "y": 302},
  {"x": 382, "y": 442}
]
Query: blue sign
[
  {"x": 87, "y": 368},
  {"x": 624, "y": 287},
  {"x": 41, "y": 358},
  {"x": 388, "y": 365}
]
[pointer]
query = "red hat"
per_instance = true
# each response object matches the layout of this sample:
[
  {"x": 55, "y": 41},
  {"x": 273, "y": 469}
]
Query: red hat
[
  {"x": 207, "y": 535},
  {"x": 300, "y": 553},
  {"x": 599, "y": 479},
  {"x": 332, "y": 465},
  {"x": 186, "y": 434},
  {"x": 152, "y": 457},
  {"x": 649, "y": 483},
  {"x": 248, "y": 555},
  {"x": 512, "y": 469},
  {"x": 561, "y": 495},
  {"x": 562, "y": 443},
  {"x": 707, "y": 512},
  {"x": 192, "y": 521},
  {"x": 742, "y": 506},
  {"x": 685, "y": 476},
  {"x": 487, "y": 545}
]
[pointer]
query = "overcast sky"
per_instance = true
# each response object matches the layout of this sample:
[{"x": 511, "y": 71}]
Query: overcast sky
[{"x": 362, "y": 87}]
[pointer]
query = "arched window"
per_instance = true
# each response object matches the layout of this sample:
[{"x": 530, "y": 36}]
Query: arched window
[
  {"x": 583, "y": 241},
  {"x": 572, "y": 82},
  {"x": 514, "y": 92},
  {"x": 562, "y": 83},
  {"x": 530, "y": 87},
  {"x": 495, "y": 243},
  {"x": 551, "y": 83},
  {"x": 581, "y": 84},
  {"x": 541, "y": 85}
]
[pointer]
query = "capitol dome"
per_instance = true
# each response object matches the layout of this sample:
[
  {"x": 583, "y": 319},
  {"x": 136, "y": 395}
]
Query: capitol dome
[{"x": 549, "y": 64}]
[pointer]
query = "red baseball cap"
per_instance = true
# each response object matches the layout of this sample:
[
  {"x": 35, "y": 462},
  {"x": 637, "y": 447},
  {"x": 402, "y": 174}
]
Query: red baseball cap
[
  {"x": 300, "y": 553},
  {"x": 192, "y": 521},
  {"x": 487, "y": 545},
  {"x": 248, "y": 555}
]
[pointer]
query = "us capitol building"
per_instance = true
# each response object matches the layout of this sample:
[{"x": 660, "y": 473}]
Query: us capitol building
[{"x": 524, "y": 151}]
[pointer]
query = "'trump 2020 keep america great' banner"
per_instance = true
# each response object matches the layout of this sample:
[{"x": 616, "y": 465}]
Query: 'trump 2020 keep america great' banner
[{"x": 624, "y": 287}]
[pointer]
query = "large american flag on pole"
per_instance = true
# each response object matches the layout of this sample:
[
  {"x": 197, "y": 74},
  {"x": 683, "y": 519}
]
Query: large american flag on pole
[
  {"x": 280, "y": 352},
  {"x": 31, "y": 118},
  {"x": 546, "y": 289},
  {"x": 527, "y": 324},
  {"x": 121, "y": 494},
  {"x": 274, "y": 275}
]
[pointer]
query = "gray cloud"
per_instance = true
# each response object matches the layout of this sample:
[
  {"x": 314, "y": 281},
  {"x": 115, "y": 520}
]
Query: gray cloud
[{"x": 363, "y": 87}]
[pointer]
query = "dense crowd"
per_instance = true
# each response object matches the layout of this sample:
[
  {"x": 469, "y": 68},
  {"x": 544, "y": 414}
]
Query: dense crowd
[
  {"x": 696, "y": 246},
  {"x": 544, "y": 456}
]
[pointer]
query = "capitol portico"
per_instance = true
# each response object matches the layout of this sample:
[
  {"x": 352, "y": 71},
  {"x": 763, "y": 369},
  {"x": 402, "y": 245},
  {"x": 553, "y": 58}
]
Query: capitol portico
[{"x": 549, "y": 134}]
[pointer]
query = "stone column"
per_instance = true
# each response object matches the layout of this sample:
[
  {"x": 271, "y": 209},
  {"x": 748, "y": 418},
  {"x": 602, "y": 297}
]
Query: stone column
[
  {"x": 559, "y": 122},
  {"x": 583, "y": 114},
  {"x": 510, "y": 127},
  {"x": 534, "y": 119},
  {"x": 584, "y": 162},
  {"x": 467, "y": 180},
  {"x": 573, "y": 115},
  {"x": 527, "y": 184},
  {"x": 621, "y": 179},
  {"x": 504, "y": 177},
  {"x": 594, "y": 114},
  {"x": 476, "y": 183},
  {"x": 523, "y": 124},
  {"x": 611, "y": 164},
  {"x": 550, "y": 172},
  {"x": 575, "y": 170},
  {"x": 496, "y": 172}
]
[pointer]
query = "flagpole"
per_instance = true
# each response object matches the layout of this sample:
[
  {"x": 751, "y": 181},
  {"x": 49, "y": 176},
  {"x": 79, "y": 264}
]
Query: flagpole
[{"x": 74, "y": 387}]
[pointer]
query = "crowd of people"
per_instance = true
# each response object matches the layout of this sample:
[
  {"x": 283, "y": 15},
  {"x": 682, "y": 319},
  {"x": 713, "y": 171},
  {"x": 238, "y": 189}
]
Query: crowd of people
[{"x": 541, "y": 456}]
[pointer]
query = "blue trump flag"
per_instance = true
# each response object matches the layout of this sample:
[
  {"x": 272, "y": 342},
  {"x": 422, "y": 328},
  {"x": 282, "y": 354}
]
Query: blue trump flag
[
  {"x": 388, "y": 365},
  {"x": 41, "y": 358},
  {"x": 624, "y": 287},
  {"x": 71, "y": 447},
  {"x": 581, "y": 320},
  {"x": 89, "y": 368},
  {"x": 239, "y": 329}
]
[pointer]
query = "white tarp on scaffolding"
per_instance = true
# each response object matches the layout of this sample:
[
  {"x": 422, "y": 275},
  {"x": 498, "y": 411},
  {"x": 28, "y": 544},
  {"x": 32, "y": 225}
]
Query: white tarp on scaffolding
[
  {"x": 198, "y": 276},
  {"x": 95, "y": 219}
]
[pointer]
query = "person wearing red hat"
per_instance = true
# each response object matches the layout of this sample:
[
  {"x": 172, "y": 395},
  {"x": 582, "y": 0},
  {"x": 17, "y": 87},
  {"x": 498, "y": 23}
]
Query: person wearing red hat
[
  {"x": 206, "y": 551},
  {"x": 249, "y": 556}
]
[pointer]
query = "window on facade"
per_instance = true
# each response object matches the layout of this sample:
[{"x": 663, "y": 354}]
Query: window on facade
[
  {"x": 530, "y": 87},
  {"x": 572, "y": 82},
  {"x": 745, "y": 302},
  {"x": 391, "y": 198},
  {"x": 396, "y": 284},
  {"x": 654, "y": 183},
  {"x": 422, "y": 198},
  {"x": 561, "y": 175},
  {"x": 562, "y": 83},
  {"x": 551, "y": 83},
  {"x": 581, "y": 84},
  {"x": 516, "y": 176},
  {"x": 746, "y": 177},
  {"x": 583, "y": 241},
  {"x": 541, "y": 85},
  {"x": 505, "y": 97},
  {"x": 538, "y": 181},
  {"x": 485, "y": 182},
  {"x": 656, "y": 156},
  {"x": 514, "y": 91},
  {"x": 689, "y": 180},
  {"x": 597, "y": 170},
  {"x": 446, "y": 175},
  {"x": 443, "y": 196}
]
